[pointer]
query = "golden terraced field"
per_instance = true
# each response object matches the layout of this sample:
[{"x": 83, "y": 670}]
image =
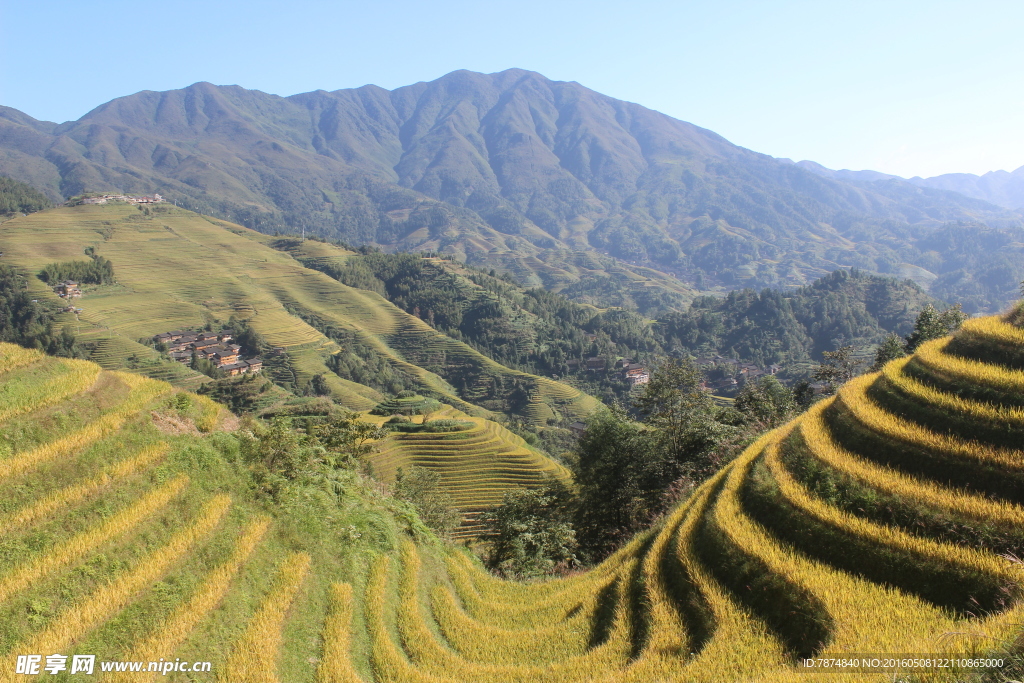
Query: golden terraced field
[{"x": 884, "y": 520}]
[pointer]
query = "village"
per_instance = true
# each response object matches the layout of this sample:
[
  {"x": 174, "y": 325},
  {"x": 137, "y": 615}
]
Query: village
[
  {"x": 722, "y": 375},
  {"x": 215, "y": 347},
  {"x": 131, "y": 199}
]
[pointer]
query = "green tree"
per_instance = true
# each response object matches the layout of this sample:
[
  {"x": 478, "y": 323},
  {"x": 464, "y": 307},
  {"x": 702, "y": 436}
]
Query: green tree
[
  {"x": 892, "y": 348},
  {"x": 766, "y": 402},
  {"x": 674, "y": 403},
  {"x": 273, "y": 452},
  {"x": 422, "y": 488},
  {"x": 531, "y": 532},
  {"x": 318, "y": 385},
  {"x": 839, "y": 367},
  {"x": 619, "y": 470},
  {"x": 931, "y": 324}
]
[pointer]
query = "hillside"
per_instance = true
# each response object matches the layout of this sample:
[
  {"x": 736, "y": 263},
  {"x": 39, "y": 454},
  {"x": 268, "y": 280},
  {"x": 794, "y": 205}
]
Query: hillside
[
  {"x": 176, "y": 269},
  {"x": 547, "y": 180},
  {"x": 535, "y": 331},
  {"x": 878, "y": 522},
  {"x": 478, "y": 461}
]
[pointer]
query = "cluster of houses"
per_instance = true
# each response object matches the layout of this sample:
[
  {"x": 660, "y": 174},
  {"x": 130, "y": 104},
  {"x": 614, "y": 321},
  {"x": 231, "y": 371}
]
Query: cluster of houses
[
  {"x": 634, "y": 373},
  {"x": 735, "y": 371},
  {"x": 212, "y": 346},
  {"x": 131, "y": 199},
  {"x": 732, "y": 372}
]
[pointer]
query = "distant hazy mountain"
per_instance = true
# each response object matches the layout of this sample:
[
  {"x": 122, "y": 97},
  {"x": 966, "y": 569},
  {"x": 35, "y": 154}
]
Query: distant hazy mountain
[
  {"x": 549, "y": 180},
  {"x": 1002, "y": 188}
]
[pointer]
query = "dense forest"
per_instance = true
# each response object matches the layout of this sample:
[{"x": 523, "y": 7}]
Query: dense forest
[
  {"x": 545, "y": 333},
  {"x": 17, "y": 197},
  {"x": 797, "y": 326},
  {"x": 28, "y": 322}
]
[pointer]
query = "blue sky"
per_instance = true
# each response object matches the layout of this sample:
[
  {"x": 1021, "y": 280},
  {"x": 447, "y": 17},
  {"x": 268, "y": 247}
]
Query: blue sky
[{"x": 904, "y": 87}]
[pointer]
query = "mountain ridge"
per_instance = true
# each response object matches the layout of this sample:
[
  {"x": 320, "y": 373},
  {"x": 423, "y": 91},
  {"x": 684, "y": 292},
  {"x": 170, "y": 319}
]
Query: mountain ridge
[{"x": 507, "y": 170}]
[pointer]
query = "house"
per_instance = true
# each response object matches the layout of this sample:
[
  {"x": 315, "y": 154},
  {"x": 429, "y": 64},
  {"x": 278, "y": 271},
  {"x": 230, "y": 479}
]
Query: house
[
  {"x": 226, "y": 335},
  {"x": 68, "y": 288},
  {"x": 225, "y": 357},
  {"x": 255, "y": 364},
  {"x": 181, "y": 356},
  {"x": 633, "y": 370},
  {"x": 623, "y": 362},
  {"x": 235, "y": 369},
  {"x": 201, "y": 344},
  {"x": 595, "y": 364},
  {"x": 206, "y": 336},
  {"x": 638, "y": 379},
  {"x": 578, "y": 428},
  {"x": 774, "y": 369}
]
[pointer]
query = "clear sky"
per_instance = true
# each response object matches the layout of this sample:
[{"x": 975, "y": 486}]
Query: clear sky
[{"x": 910, "y": 87}]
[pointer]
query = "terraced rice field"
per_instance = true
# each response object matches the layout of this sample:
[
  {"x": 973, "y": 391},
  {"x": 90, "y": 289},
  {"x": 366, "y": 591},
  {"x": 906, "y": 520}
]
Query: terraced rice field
[
  {"x": 878, "y": 522},
  {"x": 131, "y": 542},
  {"x": 477, "y": 466},
  {"x": 177, "y": 269},
  {"x": 881, "y": 521}
]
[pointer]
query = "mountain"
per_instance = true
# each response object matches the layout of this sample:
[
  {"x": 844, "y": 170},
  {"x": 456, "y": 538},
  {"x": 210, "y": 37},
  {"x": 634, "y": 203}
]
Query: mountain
[
  {"x": 1002, "y": 188},
  {"x": 548, "y": 180}
]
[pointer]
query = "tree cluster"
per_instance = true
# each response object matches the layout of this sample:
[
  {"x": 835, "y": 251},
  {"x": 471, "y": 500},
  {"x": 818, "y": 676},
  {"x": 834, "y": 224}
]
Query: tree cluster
[
  {"x": 98, "y": 271},
  {"x": 17, "y": 197},
  {"x": 629, "y": 471},
  {"x": 31, "y": 323}
]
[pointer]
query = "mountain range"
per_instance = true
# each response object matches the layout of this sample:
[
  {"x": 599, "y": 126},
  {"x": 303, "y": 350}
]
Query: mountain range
[
  {"x": 604, "y": 200},
  {"x": 1002, "y": 188}
]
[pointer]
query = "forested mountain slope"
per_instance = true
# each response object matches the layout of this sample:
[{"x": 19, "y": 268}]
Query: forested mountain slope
[{"x": 545, "y": 179}]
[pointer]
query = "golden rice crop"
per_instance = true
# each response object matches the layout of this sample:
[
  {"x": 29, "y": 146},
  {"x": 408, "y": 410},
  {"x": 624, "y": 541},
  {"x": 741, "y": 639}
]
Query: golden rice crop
[
  {"x": 867, "y": 617},
  {"x": 878, "y": 534},
  {"x": 336, "y": 663},
  {"x": 177, "y": 627},
  {"x": 526, "y": 612},
  {"x": 740, "y": 646},
  {"x": 432, "y": 657},
  {"x": 994, "y": 329},
  {"x": 72, "y": 494},
  {"x": 71, "y": 377},
  {"x": 66, "y": 552},
  {"x": 390, "y": 665},
  {"x": 893, "y": 373},
  {"x": 104, "y": 602},
  {"x": 872, "y": 416},
  {"x": 824, "y": 448},
  {"x": 934, "y": 355},
  {"x": 143, "y": 391},
  {"x": 13, "y": 356},
  {"x": 254, "y": 657},
  {"x": 481, "y": 642}
]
